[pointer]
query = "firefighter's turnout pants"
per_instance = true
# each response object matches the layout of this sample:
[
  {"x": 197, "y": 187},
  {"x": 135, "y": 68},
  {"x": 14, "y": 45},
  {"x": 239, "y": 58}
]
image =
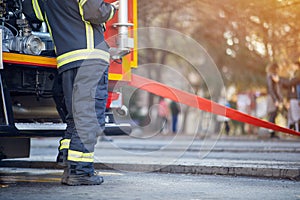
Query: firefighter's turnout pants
[{"x": 85, "y": 93}]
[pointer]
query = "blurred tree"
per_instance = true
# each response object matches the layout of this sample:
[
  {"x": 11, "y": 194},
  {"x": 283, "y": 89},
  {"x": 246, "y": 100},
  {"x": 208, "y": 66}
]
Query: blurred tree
[{"x": 241, "y": 36}]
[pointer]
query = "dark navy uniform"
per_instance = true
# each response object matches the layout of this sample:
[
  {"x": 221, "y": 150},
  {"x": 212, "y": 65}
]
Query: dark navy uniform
[{"x": 76, "y": 27}]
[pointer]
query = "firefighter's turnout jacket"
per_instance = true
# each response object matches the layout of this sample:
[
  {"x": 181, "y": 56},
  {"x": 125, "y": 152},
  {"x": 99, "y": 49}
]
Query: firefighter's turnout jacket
[{"x": 71, "y": 27}]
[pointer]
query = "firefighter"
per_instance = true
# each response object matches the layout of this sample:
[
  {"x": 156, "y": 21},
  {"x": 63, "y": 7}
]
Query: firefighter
[{"x": 77, "y": 28}]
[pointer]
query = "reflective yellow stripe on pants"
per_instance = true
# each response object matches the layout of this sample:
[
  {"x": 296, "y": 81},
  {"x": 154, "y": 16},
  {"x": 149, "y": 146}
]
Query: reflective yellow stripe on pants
[{"x": 78, "y": 156}]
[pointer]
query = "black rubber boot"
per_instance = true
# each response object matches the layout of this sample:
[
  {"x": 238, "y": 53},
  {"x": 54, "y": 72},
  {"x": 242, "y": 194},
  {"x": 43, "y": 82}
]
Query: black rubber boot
[
  {"x": 80, "y": 173},
  {"x": 74, "y": 180}
]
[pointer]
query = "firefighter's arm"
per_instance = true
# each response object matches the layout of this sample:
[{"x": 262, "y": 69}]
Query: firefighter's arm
[
  {"x": 32, "y": 11},
  {"x": 98, "y": 11}
]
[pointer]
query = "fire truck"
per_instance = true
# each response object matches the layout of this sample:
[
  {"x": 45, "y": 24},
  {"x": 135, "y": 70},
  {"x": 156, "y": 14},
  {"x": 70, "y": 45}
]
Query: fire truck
[{"x": 31, "y": 102}]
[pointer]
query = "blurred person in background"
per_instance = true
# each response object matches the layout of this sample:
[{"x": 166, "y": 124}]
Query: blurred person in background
[
  {"x": 163, "y": 114},
  {"x": 175, "y": 110},
  {"x": 293, "y": 106},
  {"x": 275, "y": 98},
  {"x": 243, "y": 105},
  {"x": 222, "y": 119}
]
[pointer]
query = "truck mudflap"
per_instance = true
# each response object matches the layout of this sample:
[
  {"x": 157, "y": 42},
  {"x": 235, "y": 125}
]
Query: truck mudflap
[{"x": 14, "y": 147}]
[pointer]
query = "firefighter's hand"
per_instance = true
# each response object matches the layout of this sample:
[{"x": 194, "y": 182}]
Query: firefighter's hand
[{"x": 116, "y": 4}]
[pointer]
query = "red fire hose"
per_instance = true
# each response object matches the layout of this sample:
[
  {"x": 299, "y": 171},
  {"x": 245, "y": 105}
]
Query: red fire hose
[{"x": 202, "y": 103}]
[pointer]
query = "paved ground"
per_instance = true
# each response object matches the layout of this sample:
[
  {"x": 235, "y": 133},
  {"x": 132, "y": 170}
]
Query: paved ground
[
  {"x": 184, "y": 154},
  {"x": 40, "y": 184}
]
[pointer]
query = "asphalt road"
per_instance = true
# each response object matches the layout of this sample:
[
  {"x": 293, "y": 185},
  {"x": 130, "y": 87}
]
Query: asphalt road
[{"x": 40, "y": 184}]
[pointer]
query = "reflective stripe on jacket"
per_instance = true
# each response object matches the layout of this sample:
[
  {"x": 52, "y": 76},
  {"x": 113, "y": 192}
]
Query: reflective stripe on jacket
[{"x": 77, "y": 30}]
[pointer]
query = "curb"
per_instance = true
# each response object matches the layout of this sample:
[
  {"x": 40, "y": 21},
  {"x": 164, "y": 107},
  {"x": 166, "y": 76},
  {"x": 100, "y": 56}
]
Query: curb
[{"x": 262, "y": 172}]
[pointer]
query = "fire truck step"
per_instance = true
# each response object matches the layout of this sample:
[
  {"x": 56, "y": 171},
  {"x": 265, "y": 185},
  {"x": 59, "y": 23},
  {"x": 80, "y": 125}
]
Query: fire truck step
[
  {"x": 110, "y": 128},
  {"x": 40, "y": 126}
]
